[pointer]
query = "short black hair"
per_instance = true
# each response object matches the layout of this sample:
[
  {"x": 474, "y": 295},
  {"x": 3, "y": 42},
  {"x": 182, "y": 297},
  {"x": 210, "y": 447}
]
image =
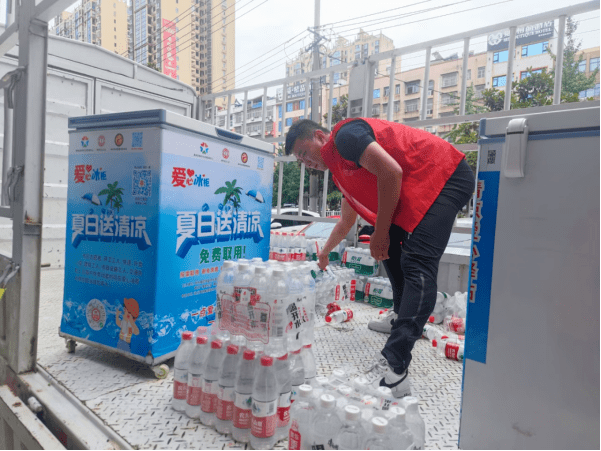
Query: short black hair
[{"x": 302, "y": 129}]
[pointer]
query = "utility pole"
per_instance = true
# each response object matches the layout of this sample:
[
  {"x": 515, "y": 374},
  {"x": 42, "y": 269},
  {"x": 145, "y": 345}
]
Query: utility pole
[{"x": 313, "y": 181}]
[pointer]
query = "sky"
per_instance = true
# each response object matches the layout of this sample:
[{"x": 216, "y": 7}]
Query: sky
[{"x": 269, "y": 34}]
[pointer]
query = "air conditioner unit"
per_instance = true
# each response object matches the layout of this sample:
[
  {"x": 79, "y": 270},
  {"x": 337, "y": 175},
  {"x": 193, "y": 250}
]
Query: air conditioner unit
[{"x": 356, "y": 109}]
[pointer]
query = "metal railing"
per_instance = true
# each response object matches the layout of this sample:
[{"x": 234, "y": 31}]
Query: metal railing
[{"x": 208, "y": 107}]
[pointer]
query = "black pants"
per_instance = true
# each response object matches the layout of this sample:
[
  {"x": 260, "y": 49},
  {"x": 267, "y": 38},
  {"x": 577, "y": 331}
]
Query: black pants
[{"x": 413, "y": 266}]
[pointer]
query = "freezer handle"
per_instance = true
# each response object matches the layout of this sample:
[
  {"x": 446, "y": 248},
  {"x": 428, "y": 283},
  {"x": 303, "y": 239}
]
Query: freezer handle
[
  {"x": 230, "y": 136},
  {"x": 516, "y": 143}
]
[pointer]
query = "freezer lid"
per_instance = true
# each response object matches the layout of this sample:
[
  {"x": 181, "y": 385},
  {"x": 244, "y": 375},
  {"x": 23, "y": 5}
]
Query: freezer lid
[
  {"x": 556, "y": 122},
  {"x": 161, "y": 118}
]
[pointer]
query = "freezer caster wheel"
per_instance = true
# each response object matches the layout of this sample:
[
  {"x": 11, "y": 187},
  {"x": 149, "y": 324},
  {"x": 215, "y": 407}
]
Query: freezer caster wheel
[
  {"x": 71, "y": 344},
  {"x": 161, "y": 371}
]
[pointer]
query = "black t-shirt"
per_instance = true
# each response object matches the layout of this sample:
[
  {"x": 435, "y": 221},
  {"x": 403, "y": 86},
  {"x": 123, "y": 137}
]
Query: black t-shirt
[{"x": 353, "y": 138}]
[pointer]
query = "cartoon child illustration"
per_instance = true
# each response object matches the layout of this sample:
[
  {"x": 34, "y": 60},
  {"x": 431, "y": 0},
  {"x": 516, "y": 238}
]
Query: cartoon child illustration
[{"x": 128, "y": 323}]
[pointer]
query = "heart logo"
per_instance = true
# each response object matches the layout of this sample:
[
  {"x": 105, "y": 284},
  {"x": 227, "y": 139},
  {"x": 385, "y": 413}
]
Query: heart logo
[
  {"x": 88, "y": 167},
  {"x": 190, "y": 172}
]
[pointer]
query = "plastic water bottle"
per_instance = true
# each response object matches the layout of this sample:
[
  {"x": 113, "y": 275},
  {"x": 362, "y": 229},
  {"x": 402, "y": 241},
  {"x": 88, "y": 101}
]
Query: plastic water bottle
[
  {"x": 197, "y": 360},
  {"x": 243, "y": 397},
  {"x": 337, "y": 378},
  {"x": 378, "y": 439},
  {"x": 340, "y": 316},
  {"x": 351, "y": 433},
  {"x": 401, "y": 434},
  {"x": 284, "y": 381},
  {"x": 225, "y": 392},
  {"x": 210, "y": 379},
  {"x": 264, "y": 406},
  {"x": 180, "y": 372},
  {"x": 278, "y": 299},
  {"x": 309, "y": 364},
  {"x": 385, "y": 397},
  {"x": 297, "y": 371},
  {"x": 326, "y": 424},
  {"x": 451, "y": 348},
  {"x": 454, "y": 324},
  {"x": 301, "y": 416},
  {"x": 414, "y": 421}
]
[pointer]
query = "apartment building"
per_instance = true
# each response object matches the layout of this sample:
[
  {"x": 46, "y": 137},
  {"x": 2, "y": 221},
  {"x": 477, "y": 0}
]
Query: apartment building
[
  {"x": 190, "y": 40},
  {"x": 100, "y": 22},
  {"x": 254, "y": 117}
]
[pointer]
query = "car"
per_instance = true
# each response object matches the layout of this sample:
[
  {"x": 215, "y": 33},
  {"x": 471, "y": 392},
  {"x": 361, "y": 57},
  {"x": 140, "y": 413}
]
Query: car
[{"x": 290, "y": 223}]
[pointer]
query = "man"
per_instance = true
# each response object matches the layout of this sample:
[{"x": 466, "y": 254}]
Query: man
[{"x": 409, "y": 184}]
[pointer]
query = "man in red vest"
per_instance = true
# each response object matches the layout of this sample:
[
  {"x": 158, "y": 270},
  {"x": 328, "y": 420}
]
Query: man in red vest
[{"x": 410, "y": 185}]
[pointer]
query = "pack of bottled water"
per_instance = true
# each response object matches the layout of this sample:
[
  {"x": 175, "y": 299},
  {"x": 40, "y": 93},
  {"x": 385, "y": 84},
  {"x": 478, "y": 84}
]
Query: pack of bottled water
[
  {"x": 288, "y": 247},
  {"x": 241, "y": 375},
  {"x": 339, "y": 413},
  {"x": 361, "y": 261},
  {"x": 315, "y": 245},
  {"x": 378, "y": 292}
]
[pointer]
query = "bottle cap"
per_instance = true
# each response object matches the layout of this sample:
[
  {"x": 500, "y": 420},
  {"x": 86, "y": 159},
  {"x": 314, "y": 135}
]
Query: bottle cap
[
  {"x": 227, "y": 264},
  {"x": 379, "y": 424},
  {"x": 434, "y": 343},
  {"x": 266, "y": 360},
  {"x": 187, "y": 336},
  {"x": 260, "y": 270},
  {"x": 345, "y": 390},
  {"x": 202, "y": 340},
  {"x": 398, "y": 412},
  {"x": 232, "y": 349},
  {"x": 327, "y": 401},
  {"x": 385, "y": 391},
  {"x": 360, "y": 381},
  {"x": 338, "y": 373},
  {"x": 248, "y": 354},
  {"x": 431, "y": 319},
  {"x": 216, "y": 344},
  {"x": 243, "y": 267},
  {"x": 328, "y": 319},
  {"x": 352, "y": 413},
  {"x": 201, "y": 330},
  {"x": 305, "y": 390},
  {"x": 283, "y": 357},
  {"x": 322, "y": 380},
  {"x": 277, "y": 272}
]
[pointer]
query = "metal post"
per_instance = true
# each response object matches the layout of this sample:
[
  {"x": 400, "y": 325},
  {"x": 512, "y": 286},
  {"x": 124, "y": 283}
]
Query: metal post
[
  {"x": 426, "y": 82},
  {"x": 391, "y": 89},
  {"x": 301, "y": 190},
  {"x": 228, "y": 124},
  {"x": 307, "y": 98},
  {"x": 280, "y": 181},
  {"x": 559, "y": 61},
  {"x": 466, "y": 57},
  {"x": 330, "y": 100},
  {"x": 263, "y": 112},
  {"x": 315, "y": 116},
  {"x": 244, "y": 107},
  {"x": 510, "y": 58},
  {"x": 7, "y": 147},
  {"x": 284, "y": 100},
  {"x": 29, "y": 137},
  {"x": 324, "y": 204}
]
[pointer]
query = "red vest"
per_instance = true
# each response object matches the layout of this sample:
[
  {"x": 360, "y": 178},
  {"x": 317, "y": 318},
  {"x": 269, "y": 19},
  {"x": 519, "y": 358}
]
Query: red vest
[{"x": 427, "y": 162}]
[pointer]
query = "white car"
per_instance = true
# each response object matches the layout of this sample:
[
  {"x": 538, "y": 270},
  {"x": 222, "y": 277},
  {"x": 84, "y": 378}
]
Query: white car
[{"x": 292, "y": 225}]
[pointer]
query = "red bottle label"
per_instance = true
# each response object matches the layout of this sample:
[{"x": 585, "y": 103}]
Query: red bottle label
[
  {"x": 264, "y": 418},
  {"x": 194, "y": 395},
  {"x": 353, "y": 289},
  {"x": 294, "y": 437},
  {"x": 225, "y": 403},
  {"x": 452, "y": 350},
  {"x": 208, "y": 399},
  {"x": 180, "y": 390}
]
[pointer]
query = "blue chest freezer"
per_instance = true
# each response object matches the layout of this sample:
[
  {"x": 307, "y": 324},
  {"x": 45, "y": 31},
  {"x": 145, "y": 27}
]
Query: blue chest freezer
[{"x": 156, "y": 203}]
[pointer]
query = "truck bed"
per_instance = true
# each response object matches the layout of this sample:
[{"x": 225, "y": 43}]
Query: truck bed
[{"x": 127, "y": 397}]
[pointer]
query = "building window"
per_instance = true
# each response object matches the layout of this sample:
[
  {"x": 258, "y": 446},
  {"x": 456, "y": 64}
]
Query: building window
[
  {"x": 280, "y": 127},
  {"x": 478, "y": 90},
  {"x": 582, "y": 66},
  {"x": 534, "y": 49},
  {"x": 592, "y": 92},
  {"x": 430, "y": 88},
  {"x": 449, "y": 80},
  {"x": 499, "y": 81},
  {"x": 289, "y": 107},
  {"x": 469, "y": 74},
  {"x": 411, "y": 106},
  {"x": 412, "y": 87},
  {"x": 397, "y": 106},
  {"x": 376, "y": 93},
  {"x": 280, "y": 111},
  {"x": 594, "y": 65},
  {"x": 386, "y": 91},
  {"x": 429, "y": 107},
  {"x": 448, "y": 98},
  {"x": 288, "y": 122},
  {"x": 397, "y": 89},
  {"x": 375, "y": 110},
  {"x": 526, "y": 73},
  {"x": 301, "y": 105},
  {"x": 482, "y": 72},
  {"x": 500, "y": 57}
]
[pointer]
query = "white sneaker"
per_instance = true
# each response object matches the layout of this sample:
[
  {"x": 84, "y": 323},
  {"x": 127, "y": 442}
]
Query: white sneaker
[
  {"x": 382, "y": 374},
  {"x": 383, "y": 323}
]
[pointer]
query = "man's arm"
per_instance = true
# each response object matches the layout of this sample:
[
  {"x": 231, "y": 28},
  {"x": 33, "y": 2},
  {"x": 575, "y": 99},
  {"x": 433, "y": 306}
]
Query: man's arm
[
  {"x": 389, "y": 177},
  {"x": 341, "y": 229}
]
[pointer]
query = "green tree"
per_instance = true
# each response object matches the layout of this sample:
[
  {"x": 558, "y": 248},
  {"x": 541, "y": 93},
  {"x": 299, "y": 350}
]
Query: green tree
[
  {"x": 572, "y": 80},
  {"x": 290, "y": 180},
  {"x": 534, "y": 90},
  {"x": 338, "y": 111}
]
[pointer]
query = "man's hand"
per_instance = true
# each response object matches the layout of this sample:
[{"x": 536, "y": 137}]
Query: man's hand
[
  {"x": 323, "y": 260},
  {"x": 379, "y": 244}
]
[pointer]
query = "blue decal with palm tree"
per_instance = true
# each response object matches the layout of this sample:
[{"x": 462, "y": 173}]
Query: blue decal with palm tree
[
  {"x": 232, "y": 194},
  {"x": 113, "y": 195}
]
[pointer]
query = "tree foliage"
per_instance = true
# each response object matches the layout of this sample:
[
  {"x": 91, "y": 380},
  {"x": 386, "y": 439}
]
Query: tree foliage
[{"x": 338, "y": 111}]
